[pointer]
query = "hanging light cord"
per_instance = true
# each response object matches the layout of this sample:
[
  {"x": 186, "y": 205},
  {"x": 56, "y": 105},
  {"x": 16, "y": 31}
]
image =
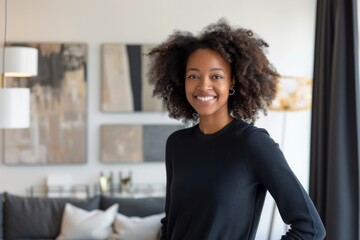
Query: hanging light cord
[{"x": 2, "y": 78}]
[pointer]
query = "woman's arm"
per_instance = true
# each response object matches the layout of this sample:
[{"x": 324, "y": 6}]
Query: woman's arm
[{"x": 295, "y": 205}]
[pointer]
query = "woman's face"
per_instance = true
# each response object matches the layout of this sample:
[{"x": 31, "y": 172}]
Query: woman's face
[{"x": 207, "y": 83}]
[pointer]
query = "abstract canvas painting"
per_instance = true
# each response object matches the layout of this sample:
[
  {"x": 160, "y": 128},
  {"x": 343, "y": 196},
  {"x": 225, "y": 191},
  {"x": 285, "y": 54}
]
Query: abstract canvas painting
[
  {"x": 57, "y": 133},
  {"x": 125, "y": 86},
  {"x": 134, "y": 143}
]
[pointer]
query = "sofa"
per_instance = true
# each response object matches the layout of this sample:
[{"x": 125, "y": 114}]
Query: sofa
[{"x": 42, "y": 218}]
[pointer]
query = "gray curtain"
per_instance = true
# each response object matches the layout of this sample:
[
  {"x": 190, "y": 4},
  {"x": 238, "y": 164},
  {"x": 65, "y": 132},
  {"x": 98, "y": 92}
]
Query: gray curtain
[{"x": 334, "y": 160}]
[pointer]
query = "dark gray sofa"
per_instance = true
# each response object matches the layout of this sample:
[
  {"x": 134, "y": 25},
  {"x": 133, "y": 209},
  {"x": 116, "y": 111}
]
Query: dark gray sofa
[{"x": 40, "y": 218}]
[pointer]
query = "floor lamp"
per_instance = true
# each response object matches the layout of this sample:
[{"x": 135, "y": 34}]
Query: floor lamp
[{"x": 293, "y": 94}]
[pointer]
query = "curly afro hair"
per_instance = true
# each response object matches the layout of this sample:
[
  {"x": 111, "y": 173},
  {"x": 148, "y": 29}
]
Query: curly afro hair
[{"x": 255, "y": 78}]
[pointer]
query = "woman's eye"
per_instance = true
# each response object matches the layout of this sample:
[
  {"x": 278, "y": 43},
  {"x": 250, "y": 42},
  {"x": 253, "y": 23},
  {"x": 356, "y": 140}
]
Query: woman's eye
[
  {"x": 193, "y": 77},
  {"x": 217, "y": 76}
]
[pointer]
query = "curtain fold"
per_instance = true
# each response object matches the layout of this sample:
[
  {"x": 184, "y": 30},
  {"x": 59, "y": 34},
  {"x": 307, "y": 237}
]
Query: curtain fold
[{"x": 334, "y": 155}]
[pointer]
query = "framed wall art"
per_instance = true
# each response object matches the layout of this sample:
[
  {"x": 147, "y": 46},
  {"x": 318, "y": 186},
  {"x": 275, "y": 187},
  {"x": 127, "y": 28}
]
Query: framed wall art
[
  {"x": 125, "y": 86},
  {"x": 134, "y": 143},
  {"x": 57, "y": 133}
]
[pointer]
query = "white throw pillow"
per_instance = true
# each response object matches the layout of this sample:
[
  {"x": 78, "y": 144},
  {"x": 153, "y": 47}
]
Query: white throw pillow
[
  {"x": 78, "y": 223},
  {"x": 137, "y": 228}
]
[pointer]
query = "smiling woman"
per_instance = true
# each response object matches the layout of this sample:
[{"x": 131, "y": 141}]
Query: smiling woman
[{"x": 219, "y": 170}]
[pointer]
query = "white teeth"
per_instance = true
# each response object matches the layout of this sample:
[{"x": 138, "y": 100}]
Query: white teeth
[{"x": 205, "y": 99}]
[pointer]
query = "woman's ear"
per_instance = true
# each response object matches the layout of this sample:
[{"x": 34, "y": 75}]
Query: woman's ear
[{"x": 232, "y": 83}]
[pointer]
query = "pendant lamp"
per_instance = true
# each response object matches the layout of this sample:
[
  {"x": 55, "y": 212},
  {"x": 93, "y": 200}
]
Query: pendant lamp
[
  {"x": 14, "y": 107},
  {"x": 15, "y": 102},
  {"x": 20, "y": 61}
]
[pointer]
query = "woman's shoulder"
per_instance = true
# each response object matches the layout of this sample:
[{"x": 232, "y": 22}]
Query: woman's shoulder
[
  {"x": 252, "y": 136},
  {"x": 260, "y": 147},
  {"x": 178, "y": 133},
  {"x": 248, "y": 130}
]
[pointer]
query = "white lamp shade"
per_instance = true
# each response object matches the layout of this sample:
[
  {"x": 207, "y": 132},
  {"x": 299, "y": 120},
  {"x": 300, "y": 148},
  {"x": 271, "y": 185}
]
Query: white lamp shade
[
  {"x": 14, "y": 107},
  {"x": 20, "y": 61}
]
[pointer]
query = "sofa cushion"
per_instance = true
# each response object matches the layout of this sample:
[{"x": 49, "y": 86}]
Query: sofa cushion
[
  {"x": 35, "y": 217},
  {"x": 140, "y": 207},
  {"x": 78, "y": 223},
  {"x": 127, "y": 228},
  {"x": 1, "y": 217}
]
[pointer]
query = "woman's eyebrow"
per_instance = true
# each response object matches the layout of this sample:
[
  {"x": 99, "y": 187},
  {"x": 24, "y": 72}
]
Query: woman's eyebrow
[
  {"x": 212, "y": 69},
  {"x": 193, "y": 69},
  {"x": 216, "y": 69}
]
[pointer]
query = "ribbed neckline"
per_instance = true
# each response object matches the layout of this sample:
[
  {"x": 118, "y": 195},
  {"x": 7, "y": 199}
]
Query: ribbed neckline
[{"x": 225, "y": 129}]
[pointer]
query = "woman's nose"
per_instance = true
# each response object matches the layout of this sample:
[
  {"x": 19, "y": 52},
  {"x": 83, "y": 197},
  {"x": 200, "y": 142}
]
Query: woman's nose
[{"x": 204, "y": 84}]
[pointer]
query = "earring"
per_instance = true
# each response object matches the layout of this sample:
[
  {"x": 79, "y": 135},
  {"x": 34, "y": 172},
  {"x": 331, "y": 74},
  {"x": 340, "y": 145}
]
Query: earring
[{"x": 232, "y": 92}]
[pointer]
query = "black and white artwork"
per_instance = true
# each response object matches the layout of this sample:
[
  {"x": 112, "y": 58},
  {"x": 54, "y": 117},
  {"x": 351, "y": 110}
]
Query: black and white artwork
[{"x": 125, "y": 86}]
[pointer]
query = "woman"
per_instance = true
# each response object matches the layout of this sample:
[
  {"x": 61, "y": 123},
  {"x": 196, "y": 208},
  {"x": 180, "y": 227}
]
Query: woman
[{"x": 219, "y": 170}]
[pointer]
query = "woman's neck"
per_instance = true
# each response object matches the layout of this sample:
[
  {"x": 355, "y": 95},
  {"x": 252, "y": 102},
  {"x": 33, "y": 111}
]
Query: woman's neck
[{"x": 212, "y": 125}]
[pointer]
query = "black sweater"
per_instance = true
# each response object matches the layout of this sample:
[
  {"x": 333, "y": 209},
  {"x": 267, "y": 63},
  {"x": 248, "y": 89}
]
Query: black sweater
[{"x": 216, "y": 186}]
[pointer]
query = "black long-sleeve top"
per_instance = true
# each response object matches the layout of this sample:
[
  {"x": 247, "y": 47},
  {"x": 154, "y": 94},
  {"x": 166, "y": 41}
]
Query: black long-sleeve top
[{"x": 216, "y": 186}]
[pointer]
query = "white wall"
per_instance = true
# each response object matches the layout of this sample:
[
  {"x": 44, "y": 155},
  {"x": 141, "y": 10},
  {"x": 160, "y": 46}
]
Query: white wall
[{"x": 287, "y": 25}]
